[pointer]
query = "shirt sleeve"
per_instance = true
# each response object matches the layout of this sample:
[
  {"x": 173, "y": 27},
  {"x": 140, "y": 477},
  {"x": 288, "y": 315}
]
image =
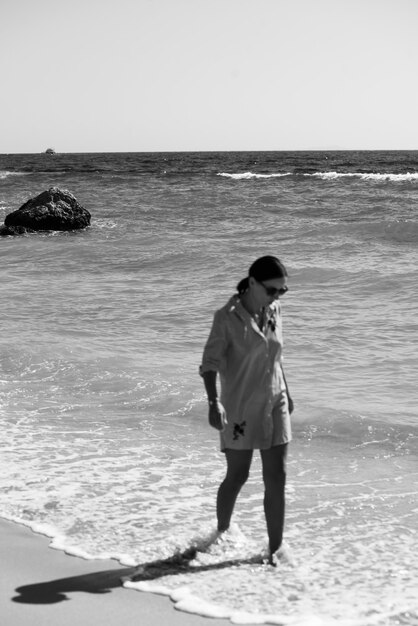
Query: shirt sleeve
[{"x": 216, "y": 345}]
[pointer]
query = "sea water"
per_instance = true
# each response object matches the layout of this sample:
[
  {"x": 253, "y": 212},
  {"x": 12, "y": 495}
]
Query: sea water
[{"x": 105, "y": 444}]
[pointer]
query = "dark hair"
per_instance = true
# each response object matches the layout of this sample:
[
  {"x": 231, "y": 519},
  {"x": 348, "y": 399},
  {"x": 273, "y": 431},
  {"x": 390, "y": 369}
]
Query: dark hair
[{"x": 264, "y": 268}]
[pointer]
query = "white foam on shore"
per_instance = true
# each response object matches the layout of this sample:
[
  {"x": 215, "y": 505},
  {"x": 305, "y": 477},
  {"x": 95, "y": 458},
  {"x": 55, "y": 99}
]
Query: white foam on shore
[
  {"x": 344, "y": 561},
  {"x": 60, "y": 542},
  {"x": 293, "y": 585},
  {"x": 184, "y": 600}
]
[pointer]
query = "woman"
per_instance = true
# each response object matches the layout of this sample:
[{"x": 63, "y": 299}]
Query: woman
[{"x": 245, "y": 348}]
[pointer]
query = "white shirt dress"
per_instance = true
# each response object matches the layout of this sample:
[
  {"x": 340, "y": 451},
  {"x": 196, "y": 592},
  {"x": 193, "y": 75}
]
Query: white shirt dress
[{"x": 253, "y": 391}]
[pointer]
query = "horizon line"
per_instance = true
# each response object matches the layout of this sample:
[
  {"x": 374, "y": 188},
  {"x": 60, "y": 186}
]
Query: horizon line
[{"x": 57, "y": 153}]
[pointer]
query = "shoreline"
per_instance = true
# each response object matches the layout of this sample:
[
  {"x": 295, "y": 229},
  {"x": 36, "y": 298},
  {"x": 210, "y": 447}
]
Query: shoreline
[{"x": 47, "y": 586}]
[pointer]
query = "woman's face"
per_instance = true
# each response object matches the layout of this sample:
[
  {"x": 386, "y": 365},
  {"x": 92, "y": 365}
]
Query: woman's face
[{"x": 267, "y": 291}]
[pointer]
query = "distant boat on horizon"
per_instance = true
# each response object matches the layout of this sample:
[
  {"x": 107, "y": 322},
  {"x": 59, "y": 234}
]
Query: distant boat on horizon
[{"x": 50, "y": 151}]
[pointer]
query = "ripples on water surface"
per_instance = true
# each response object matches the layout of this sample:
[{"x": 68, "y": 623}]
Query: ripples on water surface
[{"x": 104, "y": 435}]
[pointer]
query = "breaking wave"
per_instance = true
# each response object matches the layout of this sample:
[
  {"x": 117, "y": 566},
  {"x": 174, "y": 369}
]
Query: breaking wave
[
  {"x": 378, "y": 177},
  {"x": 5, "y": 174},
  {"x": 250, "y": 175},
  {"x": 408, "y": 176}
]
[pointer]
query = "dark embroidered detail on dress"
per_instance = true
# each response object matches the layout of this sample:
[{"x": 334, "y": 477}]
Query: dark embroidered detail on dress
[{"x": 239, "y": 429}]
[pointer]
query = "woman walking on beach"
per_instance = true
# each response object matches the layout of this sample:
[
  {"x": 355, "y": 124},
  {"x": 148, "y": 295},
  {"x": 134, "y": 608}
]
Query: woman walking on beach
[{"x": 253, "y": 410}]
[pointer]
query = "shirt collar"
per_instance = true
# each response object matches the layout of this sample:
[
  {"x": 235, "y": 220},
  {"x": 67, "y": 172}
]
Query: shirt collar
[{"x": 234, "y": 305}]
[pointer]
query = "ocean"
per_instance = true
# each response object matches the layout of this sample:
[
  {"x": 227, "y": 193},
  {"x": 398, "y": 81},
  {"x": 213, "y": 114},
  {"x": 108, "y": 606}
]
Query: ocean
[{"x": 105, "y": 444}]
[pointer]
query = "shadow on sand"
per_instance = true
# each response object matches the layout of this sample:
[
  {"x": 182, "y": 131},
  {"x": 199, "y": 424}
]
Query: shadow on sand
[{"x": 55, "y": 591}]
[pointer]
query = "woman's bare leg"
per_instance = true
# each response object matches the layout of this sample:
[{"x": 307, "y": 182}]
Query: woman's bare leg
[
  {"x": 274, "y": 476},
  {"x": 238, "y": 468}
]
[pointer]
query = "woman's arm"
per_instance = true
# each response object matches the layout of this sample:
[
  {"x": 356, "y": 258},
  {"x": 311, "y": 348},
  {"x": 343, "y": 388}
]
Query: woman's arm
[
  {"x": 289, "y": 399},
  {"x": 209, "y": 379},
  {"x": 217, "y": 414}
]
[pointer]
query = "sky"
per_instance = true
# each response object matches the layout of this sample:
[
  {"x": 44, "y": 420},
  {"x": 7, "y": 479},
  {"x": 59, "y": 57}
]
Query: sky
[{"x": 174, "y": 75}]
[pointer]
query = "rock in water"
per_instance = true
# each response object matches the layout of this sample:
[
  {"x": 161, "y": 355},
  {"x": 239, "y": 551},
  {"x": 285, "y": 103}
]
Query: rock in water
[
  {"x": 6, "y": 231},
  {"x": 55, "y": 209}
]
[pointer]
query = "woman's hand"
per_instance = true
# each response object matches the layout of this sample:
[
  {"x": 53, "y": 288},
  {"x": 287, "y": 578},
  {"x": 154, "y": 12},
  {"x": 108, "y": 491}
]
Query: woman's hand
[{"x": 217, "y": 415}]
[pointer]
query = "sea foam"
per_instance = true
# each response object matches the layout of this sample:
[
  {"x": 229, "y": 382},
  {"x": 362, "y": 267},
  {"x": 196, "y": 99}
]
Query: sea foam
[
  {"x": 251, "y": 175},
  {"x": 366, "y": 176},
  {"x": 5, "y": 174}
]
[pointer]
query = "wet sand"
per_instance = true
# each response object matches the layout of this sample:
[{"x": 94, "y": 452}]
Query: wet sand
[{"x": 39, "y": 585}]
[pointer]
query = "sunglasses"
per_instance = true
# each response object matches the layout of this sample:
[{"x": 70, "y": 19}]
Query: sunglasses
[{"x": 273, "y": 292}]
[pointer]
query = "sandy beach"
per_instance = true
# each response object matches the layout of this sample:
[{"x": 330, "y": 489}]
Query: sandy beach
[{"x": 43, "y": 586}]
